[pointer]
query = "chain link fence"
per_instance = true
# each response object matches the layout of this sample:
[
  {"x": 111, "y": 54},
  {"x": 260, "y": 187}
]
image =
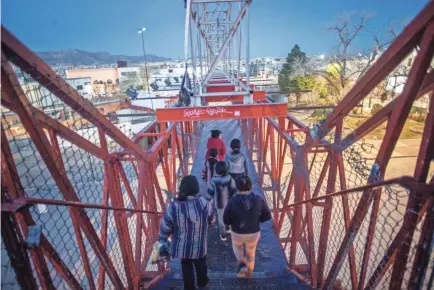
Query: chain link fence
[
  {"x": 60, "y": 153},
  {"x": 380, "y": 226}
]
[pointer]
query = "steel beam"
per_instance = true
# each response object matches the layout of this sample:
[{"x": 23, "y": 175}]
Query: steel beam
[
  {"x": 23, "y": 57},
  {"x": 393, "y": 131},
  {"x": 226, "y": 43},
  {"x": 221, "y": 112},
  {"x": 43, "y": 146},
  {"x": 385, "y": 64}
]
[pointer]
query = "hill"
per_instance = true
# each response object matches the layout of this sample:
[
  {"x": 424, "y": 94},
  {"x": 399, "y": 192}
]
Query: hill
[{"x": 81, "y": 57}]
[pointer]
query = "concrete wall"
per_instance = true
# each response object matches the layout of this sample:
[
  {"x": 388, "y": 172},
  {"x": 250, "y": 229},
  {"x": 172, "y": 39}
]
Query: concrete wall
[
  {"x": 82, "y": 85},
  {"x": 96, "y": 74}
]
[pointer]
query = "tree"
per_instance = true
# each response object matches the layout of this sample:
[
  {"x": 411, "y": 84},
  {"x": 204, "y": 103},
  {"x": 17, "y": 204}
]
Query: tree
[
  {"x": 176, "y": 79},
  {"x": 345, "y": 68},
  {"x": 300, "y": 83},
  {"x": 293, "y": 67}
]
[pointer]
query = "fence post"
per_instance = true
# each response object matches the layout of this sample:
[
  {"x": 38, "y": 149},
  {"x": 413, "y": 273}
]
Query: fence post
[{"x": 18, "y": 256}]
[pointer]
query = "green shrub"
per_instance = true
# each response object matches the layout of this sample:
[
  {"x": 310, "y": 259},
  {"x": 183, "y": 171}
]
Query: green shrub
[
  {"x": 320, "y": 114},
  {"x": 418, "y": 110},
  {"x": 417, "y": 117},
  {"x": 376, "y": 108}
]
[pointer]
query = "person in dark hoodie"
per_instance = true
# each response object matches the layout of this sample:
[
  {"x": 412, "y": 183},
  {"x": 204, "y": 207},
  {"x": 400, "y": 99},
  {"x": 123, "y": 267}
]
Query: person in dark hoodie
[
  {"x": 221, "y": 189},
  {"x": 209, "y": 168},
  {"x": 236, "y": 160},
  {"x": 244, "y": 213},
  {"x": 187, "y": 219},
  {"x": 216, "y": 142}
]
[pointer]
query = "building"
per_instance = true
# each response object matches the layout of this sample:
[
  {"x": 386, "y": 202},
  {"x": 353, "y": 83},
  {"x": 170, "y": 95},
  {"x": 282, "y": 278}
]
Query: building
[
  {"x": 128, "y": 73},
  {"x": 82, "y": 85},
  {"x": 106, "y": 75},
  {"x": 103, "y": 80}
]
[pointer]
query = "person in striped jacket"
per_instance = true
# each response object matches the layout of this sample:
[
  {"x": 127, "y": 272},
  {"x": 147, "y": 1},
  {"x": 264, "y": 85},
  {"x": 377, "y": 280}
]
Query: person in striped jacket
[{"x": 186, "y": 221}]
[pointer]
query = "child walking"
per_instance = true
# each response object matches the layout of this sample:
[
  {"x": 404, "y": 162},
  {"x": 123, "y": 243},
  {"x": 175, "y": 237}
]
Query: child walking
[
  {"x": 209, "y": 168},
  {"x": 244, "y": 213},
  {"x": 216, "y": 142},
  {"x": 236, "y": 160},
  {"x": 221, "y": 188}
]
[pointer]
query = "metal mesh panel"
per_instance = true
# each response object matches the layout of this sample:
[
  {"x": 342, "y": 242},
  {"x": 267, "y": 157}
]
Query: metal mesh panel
[
  {"x": 77, "y": 153},
  {"x": 9, "y": 280},
  {"x": 57, "y": 228},
  {"x": 355, "y": 170}
]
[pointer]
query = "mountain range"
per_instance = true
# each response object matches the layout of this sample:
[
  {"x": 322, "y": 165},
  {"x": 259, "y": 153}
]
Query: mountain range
[{"x": 81, "y": 57}]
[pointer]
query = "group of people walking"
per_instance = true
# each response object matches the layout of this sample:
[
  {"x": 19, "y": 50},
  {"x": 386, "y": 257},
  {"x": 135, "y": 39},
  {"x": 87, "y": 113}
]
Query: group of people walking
[{"x": 228, "y": 201}]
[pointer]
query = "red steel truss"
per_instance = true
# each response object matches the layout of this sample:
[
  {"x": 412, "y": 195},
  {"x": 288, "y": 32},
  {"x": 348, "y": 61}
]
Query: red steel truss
[
  {"x": 340, "y": 224},
  {"x": 365, "y": 259}
]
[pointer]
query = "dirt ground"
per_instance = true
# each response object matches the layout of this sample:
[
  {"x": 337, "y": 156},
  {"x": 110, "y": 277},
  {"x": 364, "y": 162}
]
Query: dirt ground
[{"x": 403, "y": 161}]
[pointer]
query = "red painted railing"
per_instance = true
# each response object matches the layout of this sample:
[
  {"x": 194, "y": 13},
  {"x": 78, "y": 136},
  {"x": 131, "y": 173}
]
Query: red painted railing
[
  {"x": 377, "y": 236},
  {"x": 82, "y": 197}
]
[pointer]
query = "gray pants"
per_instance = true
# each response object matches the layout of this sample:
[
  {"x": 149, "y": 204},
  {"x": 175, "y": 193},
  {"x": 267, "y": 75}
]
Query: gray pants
[{"x": 222, "y": 226}]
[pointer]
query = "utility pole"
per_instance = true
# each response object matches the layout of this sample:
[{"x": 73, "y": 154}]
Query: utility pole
[{"x": 141, "y": 31}]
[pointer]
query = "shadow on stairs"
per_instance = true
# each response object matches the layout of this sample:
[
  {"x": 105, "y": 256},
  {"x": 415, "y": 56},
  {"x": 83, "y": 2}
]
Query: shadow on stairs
[
  {"x": 222, "y": 268},
  {"x": 270, "y": 265}
]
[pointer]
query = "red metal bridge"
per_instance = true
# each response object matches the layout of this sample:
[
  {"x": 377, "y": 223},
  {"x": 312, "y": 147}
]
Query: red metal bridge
[{"x": 81, "y": 205}]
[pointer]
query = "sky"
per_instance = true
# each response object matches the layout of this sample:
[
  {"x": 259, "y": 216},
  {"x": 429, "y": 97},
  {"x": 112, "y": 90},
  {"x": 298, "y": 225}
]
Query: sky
[{"x": 275, "y": 25}]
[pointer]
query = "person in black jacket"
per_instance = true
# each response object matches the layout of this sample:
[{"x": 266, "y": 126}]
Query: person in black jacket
[
  {"x": 244, "y": 213},
  {"x": 221, "y": 188}
]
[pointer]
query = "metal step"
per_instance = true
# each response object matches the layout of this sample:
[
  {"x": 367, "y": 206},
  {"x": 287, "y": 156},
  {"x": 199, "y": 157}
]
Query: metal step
[{"x": 225, "y": 280}]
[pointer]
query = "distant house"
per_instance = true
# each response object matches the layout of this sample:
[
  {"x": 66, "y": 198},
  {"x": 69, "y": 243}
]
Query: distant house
[
  {"x": 82, "y": 85},
  {"x": 128, "y": 73},
  {"x": 104, "y": 80}
]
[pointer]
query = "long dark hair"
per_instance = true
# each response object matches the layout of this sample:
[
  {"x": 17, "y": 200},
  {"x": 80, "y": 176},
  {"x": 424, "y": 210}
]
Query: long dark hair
[
  {"x": 221, "y": 168},
  {"x": 189, "y": 186},
  {"x": 213, "y": 152},
  {"x": 212, "y": 163},
  {"x": 215, "y": 133}
]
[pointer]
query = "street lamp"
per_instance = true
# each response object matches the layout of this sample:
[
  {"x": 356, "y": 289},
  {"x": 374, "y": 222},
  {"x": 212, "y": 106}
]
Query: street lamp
[{"x": 142, "y": 31}]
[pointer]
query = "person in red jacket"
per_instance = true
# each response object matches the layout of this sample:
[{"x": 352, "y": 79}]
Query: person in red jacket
[{"x": 216, "y": 142}]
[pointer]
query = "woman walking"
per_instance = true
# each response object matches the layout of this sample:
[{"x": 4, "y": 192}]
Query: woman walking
[
  {"x": 244, "y": 213},
  {"x": 187, "y": 219}
]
